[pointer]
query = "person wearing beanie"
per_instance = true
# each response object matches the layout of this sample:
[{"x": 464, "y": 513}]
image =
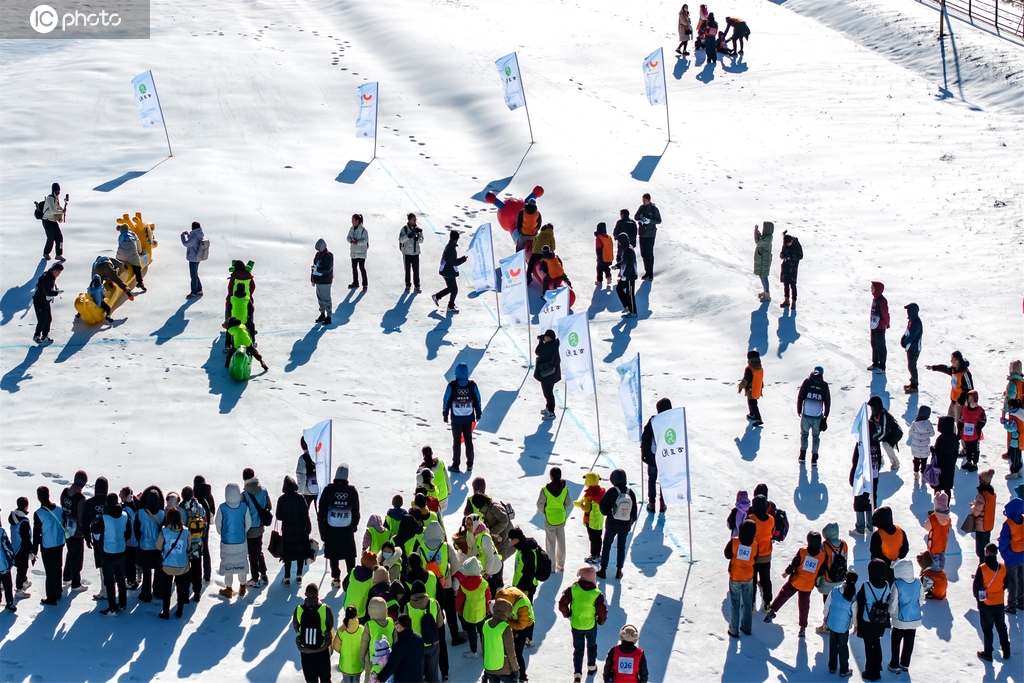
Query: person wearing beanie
[
  {"x": 528, "y": 223},
  {"x": 741, "y": 551},
  {"x": 358, "y": 583},
  {"x": 232, "y": 521},
  {"x": 1014, "y": 425},
  {"x": 839, "y": 606},
  {"x": 500, "y": 664},
  {"x": 554, "y": 503},
  {"x": 471, "y": 597},
  {"x": 583, "y": 605},
  {"x": 552, "y": 268},
  {"x": 93, "y": 511},
  {"x": 462, "y": 406},
  {"x": 933, "y": 579},
  {"x": 45, "y": 292},
  {"x": 989, "y": 584},
  {"x": 442, "y": 481},
  {"x": 625, "y": 226},
  {"x": 938, "y": 526},
  {"x": 321, "y": 277},
  {"x": 960, "y": 379},
  {"x": 983, "y": 509},
  {"x": 1011, "y": 548},
  {"x": 947, "y": 449},
  {"x": 879, "y": 323},
  {"x": 379, "y": 625},
  {"x": 813, "y": 403},
  {"x": 763, "y": 517},
  {"x": 888, "y": 541},
  {"x": 650, "y": 459},
  {"x": 803, "y": 572},
  {"x": 545, "y": 239},
  {"x": 48, "y": 534},
  {"x": 410, "y": 237},
  {"x": 970, "y": 425},
  {"x": 625, "y": 263},
  {"x": 345, "y": 642},
  {"x": 605, "y": 254},
  {"x": 293, "y": 515},
  {"x": 521, "y": 621},
  {"x": 738, "y": 513},
  {"x": 548, "y": 370},
  {"x": 77, "y": 524},
  {"x": 905, "y": 600},
  {"x": 313, "y": 622},
  {"x": 593, "y": 519},
  {"x": 885, "y": 431},
  {"x": 648, "y": 219},
  {"x": 376, "y": 534},
  {"x": 626, "y": 663},
  {"x": 21, "y": 546},
  {"x": 874, "y": 590},
  {"x": 792, "y": 252},
  {"x": 620, "y": 512},
  {"x": 449, "y": 270},
  {"x": 919, "y": 439},
  {"x": 911, "y": 342},
  {"x": 427, "y": 621},
  {"x": 197, "y": 248},
  {"x": 837, "y": 560},
  {"x": 338, "y": 520},
  {"x": 751, "y": 386}
]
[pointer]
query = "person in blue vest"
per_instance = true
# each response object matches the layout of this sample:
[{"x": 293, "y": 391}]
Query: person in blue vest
[
  {"x": 233, "y": 521},
  {"x": 6, "y": 565},
  {"x": 405, "y": 663},
  {"x": 48, "y": 537},
  {"x": 260, "y": 510},
  {"x": 21, "y": 543},
  {"x": 839, "y": 606},
  {"x": 111, "y": 532},
  {"x": 313, "y": 622},
  {"x": 173, "y": 546},
  {"x": 905, "y": 600},
  {"x": 462, "y": 405},
  {"x": 147, "y": 528}
]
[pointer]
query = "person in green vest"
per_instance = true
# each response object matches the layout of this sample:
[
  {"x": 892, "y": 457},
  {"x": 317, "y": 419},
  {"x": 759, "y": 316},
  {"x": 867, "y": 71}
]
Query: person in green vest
[
  {"x": 500, "y": 664},
  {"x": 593, "y": 519},
  {"x": 380, "y": 625},
  {"x": 313, "y": 622},
  {"x": 376, "y": 534},
  {"x": 521, "y": 621},
  {"x": 391, "y": 558},
  {"x": 427, "y": 619},
  {"x": 583, "y": 605},
  {"x": 346, "y": 644},
  {"x": 241, "y": 273},
  {"x": 357, "y": 584},
  {"x": 555, "y": 503},
  {"x": 440, "y": 559},
  {"x": 239, "y": 340},
  {"x": 442, "y": 479},
  {"x": 471, "y": 598},
  {"x": 525, "y": 575}
]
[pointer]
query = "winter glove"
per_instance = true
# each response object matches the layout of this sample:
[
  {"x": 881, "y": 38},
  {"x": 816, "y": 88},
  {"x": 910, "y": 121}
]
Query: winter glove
[
  {"x": 446, "y": 419},
  {"x": 824, "y": 424}
]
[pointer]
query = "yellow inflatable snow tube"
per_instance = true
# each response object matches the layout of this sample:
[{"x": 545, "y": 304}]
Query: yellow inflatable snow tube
[{"x": 86, "y": 306}]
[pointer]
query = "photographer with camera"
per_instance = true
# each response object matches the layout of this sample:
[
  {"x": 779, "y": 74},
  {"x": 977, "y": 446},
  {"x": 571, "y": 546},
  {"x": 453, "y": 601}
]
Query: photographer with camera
[
  {"x": 52, "y": 216},
  {"x": 548, "y": 370},
  {"x": 409, "y": 240},
  {"x": 648, "y": 217}
]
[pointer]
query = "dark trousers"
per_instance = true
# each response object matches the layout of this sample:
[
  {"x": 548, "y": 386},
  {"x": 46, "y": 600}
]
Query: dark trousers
[
  {"x": 21, "y": 564},
  {"x": 763, "y": 576},
  {"x": 473, "y": 631},
  {"x": 839, "y": 649},
  {"x": 350, "y": 562},
  {"x": 878, "y": 350},
  {"x": 652, "y": 483},
  {"x": 626, "y": 289},
  {"x": 604, "y": 270},
  {"x": 595, "y": 541},
  {"x": 148, "y": 562},
  {"x": 316, "y": 666},
  {"x": 789, "y": 291},
  {"x": 195, "y": 575},
  {"x": 193, "y": 274},
  {"x": 257, "y": 562},
  {"x": 548, "y": 387},
  {"x": 207, "y": 561},
  {"x": 288, "y": 568},
  {"x": 912, "y": 356},
  {"x": 44, "y": 317},
  {"x": 412, "y": 265},
  {"x": 872, "y": 658},
  {"x": 619, "y": 531},
  {"x": 75, "y": 560},
  {"x": 54, "y": 238},
  {"x": 579, "y": 639},
  {"x": 906, "y": 637},
  {"x": 981, "y": 539},
  {"x": 181, "y": 585},
  {"x": 752, "y": 410},
  {"x": 519, "y": 641},
  {"x": 497, "y": 581},
  {"x": 447, "y": 600},
  {"x": 113, "y": 578},
  {"x": 137, "y": 272},
  {"x": 972, "y": 451},
  {"x": 432, "y": 663},
  {"x": 451, "y": 290},
  {"x": 460, "y": 431},
  {"x": 647, "y": 254},
  {"x": 52, "y": 559},
  {"x": 1014, "y": 586},
  {"x": 993, "y": 616},
  {"x": 442, "y": 659},
  {"x": 358, "y": 266},
  {"x": 8, "y": 585},
  {"x": 131, "y": 572},
  {"x": 803, "y": 601}
]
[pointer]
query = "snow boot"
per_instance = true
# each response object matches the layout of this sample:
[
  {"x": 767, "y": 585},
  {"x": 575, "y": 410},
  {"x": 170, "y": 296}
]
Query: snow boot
[
  {"x": 785, "y": 303},
  {"x": 803, "y": 454},
  {"x": 909, "y": 389}
]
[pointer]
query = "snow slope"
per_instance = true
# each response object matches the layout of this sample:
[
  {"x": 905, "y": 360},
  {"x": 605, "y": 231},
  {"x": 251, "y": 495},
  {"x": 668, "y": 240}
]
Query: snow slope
[{"x": 879, "y": 174}]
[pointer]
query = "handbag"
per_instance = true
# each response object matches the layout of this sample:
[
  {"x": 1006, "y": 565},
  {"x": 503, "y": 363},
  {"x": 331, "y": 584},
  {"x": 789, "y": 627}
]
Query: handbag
[
  {"x": 932, "y": 473},
  {"x": 276, "y": 544},
  {"x": 546, "y": 369},
  {"x": 968, "y": 524}
]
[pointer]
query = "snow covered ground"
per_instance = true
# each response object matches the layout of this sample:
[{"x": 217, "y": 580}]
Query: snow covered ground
[{"x": 867, "y": 156}]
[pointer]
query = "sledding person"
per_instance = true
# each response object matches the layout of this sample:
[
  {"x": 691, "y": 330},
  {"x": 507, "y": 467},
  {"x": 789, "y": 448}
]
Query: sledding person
[
  {"x": 239, "y": 303},
  {"x": 885, "y": 430},
  {"x": 911, "y": 342},
  {"x": 555, "y": 503},
  {"x": 173, "y": 546},
  {"x": 293, "y": 514},
  {"x": 625, "y": 226},
  {"x": 21, "y": 543},
  {"x": 983, "y": 509},
  {"x": 933, "y": 578},
  {"x": 500, "y": 664},
  {"x": 442, "y": 482},
  {"x": 751, "y": 386},
  {"x": 548, "y": 370},
  {"x": 905, "y": 600},
  {"x": 321, "y": 276},
  {"x": 888, "y": 541},
  {"x": 583, "y": 605},
  {"x": 762, "y": 248},
  {"x": 946, "y": 450},
  {"x": 233, "y": 521},
  {"x": 813, "y": 403},
  {"x": 528, "y": 224},
  {"x": 920, "y": 439},
  {"x": 837, "y": 559},
  {"x": 471, "y": 597},
  {"x": 873, "y": 617},
  {"x": 625, "y": 263},
  {"x": 1014, "y": 425},
  {"x": 741, "y": 551},
  {"x": 961, "y": 382},
  {"x": 449, "y": 270},
  {"x": 97, "y": 291},
  {"x": 839, "y": 606},
  {"x": 740, "y": 32},
  {"x": 193, "y": 240},
  {"x": 129, "y": 252},
  {"x": 112, "y": 531},
  {"x": 620, "y": 512},
  {"x": 551, "y": 266},
  {"x": 48, "y": 534},
  {"x": 46, "y": 290},
  {"x": 410, "y": 237},
  {"x": 937, "y": 526},
  {"x": 648, "y": 219},
  {"x": 545, "y": 238},
  {"x": 650, "y": 459},
  {"x": 359, "y": 241},
  {"x": 605, "y": 251},
  {"x": 338, "y": 519},
  {"x": 803, "y": 572},
  {"x": 685, "y": 31},
  {"x": 969, "y": 426},
  {"x": 989, "y": 584},
  {"x": 74, "y": 518},
  {"x": 1011, "y": 548},
  {"x": 238, "y": 337},
  {"x": 593, "y": 519},
  {"x": 313, "y": 622},
  {"x": 520, "y": 621},
  {"x": 106, "y": 267},
  {"x": 53, "y": 216},
  {"x": 462, "y": 405},
  {"x": 792, "y": 252}
]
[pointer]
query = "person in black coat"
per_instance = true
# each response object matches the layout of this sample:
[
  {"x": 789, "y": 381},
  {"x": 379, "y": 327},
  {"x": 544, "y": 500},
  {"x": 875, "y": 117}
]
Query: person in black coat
[
  {"x": 549, "y": 369},
  {"x": 625, "y": 261},
  {"x": 947, "y": 448},
  {"x": 322, "y": 276},
  {"x": 204, "y": 494},
  {"x": 649, "y": 458},
  {"x": 338, "y": 519},
  {"x": 789, "y": 263},
  {"x": 625, "y": 226},
  {"x": 46, "y": 289},
  {"x": 874, "y": 589},
  {"x": 449, "y": 270},
  {"x": 295, "y": 529},
  {"x": 616, "y": 528},
  {"x": 648, "y": 217},
  {"x": 864, "y": 503},
  {"x": 405, "y": 663}
]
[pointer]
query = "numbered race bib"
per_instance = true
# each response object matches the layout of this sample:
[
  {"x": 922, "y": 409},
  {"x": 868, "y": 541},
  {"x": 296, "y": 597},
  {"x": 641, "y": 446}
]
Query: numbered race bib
[
  {"x": 339, "y": 517},
  {"x": 953, "y": 381},
  {"x": 744, "y": 552},
  {"x": 810, "y": 565},
  {"x": 178, "y": 547},
  {"x": 968, "y": 429},
  {"x": 626, "y": 666}
]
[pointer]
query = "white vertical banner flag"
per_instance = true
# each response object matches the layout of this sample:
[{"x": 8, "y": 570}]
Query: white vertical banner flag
[
  {"x": 673, "y": 454},
  {"x": 366, "y": 120},
  {"x": 863, "y": 475},
  {"x": 654, "y": 77},
  {"x": 318, "y": 440},
  {"x": 147, "y": 100},
  {"x": 577, "y": 356},
  {"x": 630, "y": 397},
  {"x": 556, "y": 307},
  {"x": 515, "y": 300},
  {"x": 508, "y": 69},
  {"x": 481, "y": 260}
]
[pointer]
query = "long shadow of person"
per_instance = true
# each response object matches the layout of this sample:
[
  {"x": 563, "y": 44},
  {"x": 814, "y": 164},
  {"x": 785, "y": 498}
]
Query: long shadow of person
[
  {"x": 662, "y": 620},
  {"x": 12, "y": 379},
  {"x": 395, "y": 317},
  {"x": 343, "y": 313},
  {"x": 707, "y": 74},
  {"x": 435, "y": 339},
  {"x": 81, "y": 333},
  {"x": 787, "y": 330},
  {"x": 601, "y": 300},
  {"x": 750, "y": 442},
  {"x": 810, "y": 496},
  {"x": 221, "y": 383},
  {"x": 758, "y": 340},
  {"x": 682, "y": 64},
  {"x": 174, "y": 325},
  {"x": 747, "y": 658},
  {"x": 621, "y": 334},
  {"x": 537, "y": 449},
  {"x": 734, "y": 64},
  {"x": 212, "y": 640},
  {"x": 648, "y": 550},
  {"x": 878, "y": 388},
  {"x": 19, "y": 298},
  {"x": 303, "y": 349}
]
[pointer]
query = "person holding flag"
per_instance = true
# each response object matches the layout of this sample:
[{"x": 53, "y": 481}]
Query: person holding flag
[
  {"x": 867, "y": 460},
  {"x": 649, "y": 458}
]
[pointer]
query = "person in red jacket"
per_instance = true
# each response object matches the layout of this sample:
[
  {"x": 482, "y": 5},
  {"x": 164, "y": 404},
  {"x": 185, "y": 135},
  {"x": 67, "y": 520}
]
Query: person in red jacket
[
  {"x": 879, "y": 324},
  {"x": 626, "y": 663},
  {"x": 605, "y": 254},
  {"x": 970, "y": 425}
]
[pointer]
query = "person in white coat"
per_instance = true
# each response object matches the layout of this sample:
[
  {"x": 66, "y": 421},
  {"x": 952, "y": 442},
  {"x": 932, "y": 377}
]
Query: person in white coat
[
  {"x": 305, "y": 475},
  {"x": 919, "y": 439},
  {"x": 359, "y": 243},
  {"x": 480, "y": 544},
  {"x": 905, "y": 600},
  {"x": 233, "y": 521}
]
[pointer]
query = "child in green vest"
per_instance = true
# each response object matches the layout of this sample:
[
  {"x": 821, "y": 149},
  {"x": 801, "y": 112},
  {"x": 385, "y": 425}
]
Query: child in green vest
[
  {"x": 471, "y": 598},
  {"x": 346, "y": 643},
  {"x": 583, "y": 605},
  {"x": 238, "y": 338},
  {"x": 500, "y": 663},
  {"x": 593, "y": 520},
  {"x": 379, "y": 626}
]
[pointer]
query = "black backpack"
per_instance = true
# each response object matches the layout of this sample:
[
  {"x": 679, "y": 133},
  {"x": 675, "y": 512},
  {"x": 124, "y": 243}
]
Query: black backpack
[
  {"x": 781, "y": 529},
  {"x": 879, "y": 611},
  {"x": 311, "y": 634},
  {"x": 893, "y": 433},
  {"x": 542, "y": 572},
  {"x": 836, "y": 571},
  {"x": 40, "y": 207},
  {"x": 266, "y": 519}
]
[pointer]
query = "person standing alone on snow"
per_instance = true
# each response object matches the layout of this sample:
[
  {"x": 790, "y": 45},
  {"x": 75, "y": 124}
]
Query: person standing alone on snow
[
  {"x": 812, "y": 404},
  {"x": 650, "y": 458},
  {"x": 359, "y": 240},
  {"x": 879, "y": 324},
  {"x": 449, "y": 270},
  {"x": 409, "y": 240},
  {"x": 53, "y": 216},
  {"x": 751, "y": 385},
  {"x": 192, "y": 241},
  {"x": 911, "y": 341},
  {"x": 648, "y": 218},
  {"x": 462, "y": 406},
  {"x": 321, "y": 277},
  {"x": 762, "y": 251},
  {"x": 789, "y": 260}
]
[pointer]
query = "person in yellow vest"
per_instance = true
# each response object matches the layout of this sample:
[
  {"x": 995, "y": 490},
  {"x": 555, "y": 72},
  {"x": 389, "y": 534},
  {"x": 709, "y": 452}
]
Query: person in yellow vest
[
  {"x": 989, "y": 584},
  {"x": 427, "y": 620},
  {"x": 593, "y": 520},
  {"x": 741, "y": 551},
  {"x": 480, "y": 544},
  {"x": 358, "y": 583},
  {"x": 313, "y": 622},
  {"x": 751, "y": 385},
  {"x": 544, "y": 238},
  {"x": 803, "y": 572},
  {"x": 441, "y": 560},
  {"x": 1011, "y": 548},
  {"x": 376, "y": 534},
  {"x": 983, "y": 509},
  {"x": 346, "y": 643},
  {"x": 394, "y": 516},
  {"x": 390, "y": 557},
  {"x": 425, "y": 485},
  {"x": 554, "y": 502},
  {"x": 500, "y": 665},
  {"x": 583, "y": 605},
  {"x": 521, "y": 621},
  {"x": 380, "y": 625},
  {"x": 442, "y": 480},
  {"x": 471, "y": 597}
]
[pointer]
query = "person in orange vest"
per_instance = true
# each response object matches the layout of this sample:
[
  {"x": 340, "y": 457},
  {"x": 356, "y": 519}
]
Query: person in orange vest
[
  {"x": 528, "y": 224},
  {"x": 933, "y": 578},
  {"x": 937, "y": 525},
  {"x": 888, "y": 541},
  {"x": 983, "y": 509},
  {"x": 605, "y": 254},
  {"x": 626, "y": 663},
  {"x": 1014, "y": 425},
  {"x": 972, "y": 422},
  {"x": 959, "y": 371},
  {"x": 989, "y": 584},
  {"x": 751, "y": 385},
  {"x": 741, "y": 551},
  {"x": 1014, "y": 391},
  {"x": 1011, "y": 547},
  {"x": 763, "y": 518},
  {"x": 552, "y": 266},
  {"x": 803, "y": 572}
]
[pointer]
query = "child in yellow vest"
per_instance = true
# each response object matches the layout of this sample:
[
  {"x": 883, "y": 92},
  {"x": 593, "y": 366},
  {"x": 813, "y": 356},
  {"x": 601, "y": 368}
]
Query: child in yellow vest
[
  {"x": 593, "y": 520},
  {"x": 346, "y": 642},
  {"x": 471, "y": 598},
  {"x": 499, "y": 651}
]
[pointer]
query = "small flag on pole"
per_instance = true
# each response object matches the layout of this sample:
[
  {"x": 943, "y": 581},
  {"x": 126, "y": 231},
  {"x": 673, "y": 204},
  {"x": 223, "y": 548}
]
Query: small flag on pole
[
  {"x": 318, "y": 440},
  {"x": 556, "y": 307},
  {"x": 515, "y": 302},
  {"x": 508, "y": 69},
  {"x": 630, "y": 397},
  {"x": 863, "y": 474},
  {"x": 654, "y": 77},
  {"x": 148, "y": 101},
  {"x": 366, "y": 120},
  {"x": 481, "y": 260},
  {"x": 577, "y": 356}
]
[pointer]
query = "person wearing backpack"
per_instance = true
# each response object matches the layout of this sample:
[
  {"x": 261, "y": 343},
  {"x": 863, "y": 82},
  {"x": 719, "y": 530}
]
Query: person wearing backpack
[
  {"x": 52, "y": 216},
  {"x": 983, "y": 509},
  {"x": 197, "y": 249},
  {"x": 648, "y": 457},
  {"x": 195, "y": 518},
  {"x": 313, "y": 622},
  {"x": 112, "y": 530},
  {"x": 803, "y": 572},
  {"x": 338, "y": 521},
  {"x": 620, "y": 511},
  {"x": 765, "y": 523},
  {"x": 48, "y": 538},
  {"x": 888, "y": 541},
  {"x": 970, "y": 425},
  {"x": 989, "y": 584},
  {"x": 295, "y": 530},
  {"x": 554, "y": 502},
  {"x": 440, "y": 559},
  {"x": 462, "y": 405},
  {"x": 583, "y": 605},
  {"x": 741, "y": 551},
  {"x": 261, "y": 513},
  {"x": 886, "y": 430},
  {"x": 521, "y": 621},
  {"x": 813, "y": 403},
  {"x": 839, "y": 606},
  {"x": 919, "y": 439},
  {"x": 172, "y": 544},
  {"x": 905, "y": 602},
  {"x": 528, "y": 554},
  {"x": 496, "y": 516},
  {"x": 873, "y": 617},
  {"x": 836, "y": 563},
  {"x": 1011, "y": 548},
  {"x": 73, "y": 510},
  {"x": 305, "y": 476},
  {"x": 233, "y": 520}
]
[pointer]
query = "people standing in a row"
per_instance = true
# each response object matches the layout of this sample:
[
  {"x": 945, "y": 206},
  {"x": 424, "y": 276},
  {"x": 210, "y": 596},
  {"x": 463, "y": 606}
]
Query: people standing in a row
[{"x": 359, "y": 241}]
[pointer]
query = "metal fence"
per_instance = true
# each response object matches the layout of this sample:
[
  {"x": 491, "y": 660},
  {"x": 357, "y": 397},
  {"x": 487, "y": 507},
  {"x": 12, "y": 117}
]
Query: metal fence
[{"x": 1005, "y": 17}]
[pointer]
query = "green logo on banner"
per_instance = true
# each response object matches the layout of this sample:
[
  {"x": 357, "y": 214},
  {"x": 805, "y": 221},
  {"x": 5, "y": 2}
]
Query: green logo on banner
[
  {"x": 574, "y": 340},
  {"x": 142, "y": 88},
  {"x": 670, "y": 437},
  {"x": 508, "y": 71}
]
